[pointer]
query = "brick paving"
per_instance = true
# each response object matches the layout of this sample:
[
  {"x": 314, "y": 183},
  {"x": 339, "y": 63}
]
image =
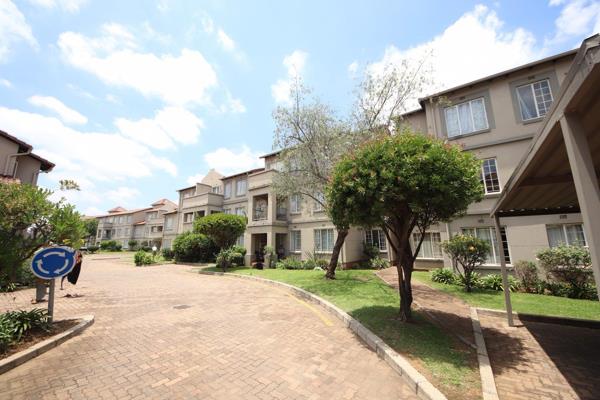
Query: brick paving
[
  {"x": 164, "y": 333},
  {"x": 530, "y": 361}
]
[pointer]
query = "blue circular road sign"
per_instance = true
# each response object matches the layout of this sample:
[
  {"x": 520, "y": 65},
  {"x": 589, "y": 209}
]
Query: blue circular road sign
[{"x": 53, "y": 262}]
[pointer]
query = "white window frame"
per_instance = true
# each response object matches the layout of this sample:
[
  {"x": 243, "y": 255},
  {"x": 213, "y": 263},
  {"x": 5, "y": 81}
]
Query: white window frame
[
  {"x": 497, "y": 175},
  {"x": 537, "y": 107},
  {"x": 319, "y": 242},
  {"x": 295, "y": 203},
  {"x": 566, "y": 236},
  {"x": 187, "y": 220},
  {"x": 240, "y": 211},
  {"x": 317, "y": 206},
  {"x": 381, "y": 239},
  {"x": 460, "y": 132},
  {"x": 293, "y": 243},
  {"x": 227, "y": 190},
  {"x": 435, "y": 251},
  {"x": 493, "y": 254},
  {"x": 244, "y": 187}
]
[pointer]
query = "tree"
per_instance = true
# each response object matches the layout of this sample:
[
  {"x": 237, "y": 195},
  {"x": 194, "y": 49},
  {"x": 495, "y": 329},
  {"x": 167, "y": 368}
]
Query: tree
[
  {"x": 404, "y": 183},
  {"x": 29, "y": 221},
  {"x": 91, "y": 228},
  {"x": 469, "y": 252},
  {"x": 223, "y": 229}
]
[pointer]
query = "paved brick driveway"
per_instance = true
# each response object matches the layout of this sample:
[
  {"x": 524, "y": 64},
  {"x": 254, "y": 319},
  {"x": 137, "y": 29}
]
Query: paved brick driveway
[{"x": 163, "y": 332}]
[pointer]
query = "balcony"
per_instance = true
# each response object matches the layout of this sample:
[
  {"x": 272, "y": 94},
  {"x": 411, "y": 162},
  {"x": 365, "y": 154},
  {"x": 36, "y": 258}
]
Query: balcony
[
  {"x": 281, "y": 214},
  {"x": 259, "y": 215},
  {"x": 260, "y": 209}
]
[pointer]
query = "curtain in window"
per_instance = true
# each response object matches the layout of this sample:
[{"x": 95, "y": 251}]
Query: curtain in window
[
  {"x": 556, "y": 235},
  {"x": 464, "y": 114},
  {"x": 526, "y": 102},
  {"x": 452, "y": 121},
  {"x": 575, "y": 235},
  {"x": 479, "y": 117}
]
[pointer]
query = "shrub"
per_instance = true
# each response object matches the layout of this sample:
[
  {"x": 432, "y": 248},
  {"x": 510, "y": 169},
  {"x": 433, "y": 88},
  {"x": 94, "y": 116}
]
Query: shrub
[
  {"x": 443, "y": 275},
  {"x": 118, "y": 247},
  {"x": 227, "y": 257},
  {"x": 223, "y": 229},
  {"x": 194, "y": 247},
  {"x": 146, "y": 248},
  {"x": 14, "y": 325},
  {"x": 570, "y": 265},
  {"x": 469, "y": 252},
  {"x": 132, "y": 244},
  {"x": 168, "y": 254},
  {"x": 370, "y": 251},
  {"x": 239, "y": 258},
  {"x": 526, "y": 272},
  {"x": 142, "y": 258},
  {"x": 269, "y": 253},
  {"x": 92, "y": 249},
  {"x": 289, "y": 263},
  {"x": 110, "y": 245},
  {"x": 379, "y": 263},
  {"x": 494, "y": 282}
]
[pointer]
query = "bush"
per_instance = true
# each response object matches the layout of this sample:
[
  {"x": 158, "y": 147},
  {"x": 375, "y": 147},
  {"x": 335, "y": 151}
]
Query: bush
[
  {"x": 475, "y": 280},
  {"x": 93, "y": 249},
  {"x": 379, "y": 263},
  {"x": 194, "y": 247},
  {"x": 110, "y": 245},
  {"x": 14, "y": 325},
  {"x": 570, "y": 265},
  {"x": 443, "y": 275},
  {"x": 227, "y": 257},
  {"x": 289, "y": 263},
  {"x": 239, "y": 258},
  {"x": 223, "y": 229},
  {"x": 494, "y": 282},
  {"x": 469, "y": 252},
  {"x": 168, "y": 254},
  {"x": 370, "y": 251},
  {"x": 146, "y": 248},
  {"x": 118, "y": 247},
  {"x": 132, "y": 244},
  {"x": 526, "y": 272},
  {"x": 142, "y": 258}
]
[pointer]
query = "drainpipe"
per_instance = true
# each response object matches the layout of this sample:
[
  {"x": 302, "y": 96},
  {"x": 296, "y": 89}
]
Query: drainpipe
[
  {"x": 505, "y": 284},
  {"x": 8, "y": 161}
]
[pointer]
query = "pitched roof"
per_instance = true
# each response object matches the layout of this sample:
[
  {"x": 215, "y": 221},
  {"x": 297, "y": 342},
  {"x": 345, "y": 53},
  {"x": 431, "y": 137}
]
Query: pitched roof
[
  {"x": 116, "y": 209},
  {"x": 27, "y": 148}
]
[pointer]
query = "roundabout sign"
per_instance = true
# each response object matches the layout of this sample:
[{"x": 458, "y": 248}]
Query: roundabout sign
[{"x": 53, "y": 262}]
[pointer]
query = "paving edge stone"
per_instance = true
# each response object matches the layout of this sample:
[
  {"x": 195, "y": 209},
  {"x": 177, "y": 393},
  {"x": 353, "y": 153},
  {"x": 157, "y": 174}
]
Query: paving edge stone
[
  {"x": 416, "y": 381},
  {"x": 546, "y": 319},
  {"x": 488, "y": 383},
  {"x": 40, "y": 348}
]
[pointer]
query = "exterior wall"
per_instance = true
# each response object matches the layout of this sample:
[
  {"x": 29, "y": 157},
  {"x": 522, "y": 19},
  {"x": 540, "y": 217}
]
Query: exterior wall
[
  {"x": 7, "y": 148},
  {"x": 28, "y": 169}
]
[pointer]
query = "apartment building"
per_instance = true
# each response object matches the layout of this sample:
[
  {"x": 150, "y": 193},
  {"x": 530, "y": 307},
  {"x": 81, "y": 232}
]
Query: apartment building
[
  {"x": 496, "y": 118},
  {"x": 18, "y": 163},
  {"x": 143, "y": 224}
]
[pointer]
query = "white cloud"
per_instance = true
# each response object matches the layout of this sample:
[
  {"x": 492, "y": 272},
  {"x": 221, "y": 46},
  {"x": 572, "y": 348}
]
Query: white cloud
[
  {"x": 93, "y": 211},
  {"x": 474, "y": 46},
  {"x": 232, "y": 104},
  {"x": 13, "y": 29},
  {"x": 353, "y": 68},
  {"x": 163, "y": 5},
  {"x": 122, "y": 195},
  {"x": 193, "y": 179},
  {"x": 66, "y": 114},
  {"x": 225, "y": 41},
  {"x": 71, "y": 6},
  {"x": 231, "y": 161},
  {"x": 113, "y": 58},
  {"x": 6, "y": 83},
  {"x": 80, "y": 92},
  {"x": 79, "y": 155},
  {"x": 577, "y": 18},
  {"x": 294, "y": 64},
  {"x": 169, "y": 126}
]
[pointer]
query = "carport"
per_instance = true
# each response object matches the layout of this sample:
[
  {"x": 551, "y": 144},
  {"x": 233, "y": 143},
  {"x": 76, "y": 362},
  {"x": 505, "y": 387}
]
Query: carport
[{"x": 559, "y": 172}]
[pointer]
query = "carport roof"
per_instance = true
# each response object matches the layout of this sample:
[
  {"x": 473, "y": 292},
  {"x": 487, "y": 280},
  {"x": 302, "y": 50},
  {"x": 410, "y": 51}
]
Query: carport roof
[{"x": 542, "y": 182}]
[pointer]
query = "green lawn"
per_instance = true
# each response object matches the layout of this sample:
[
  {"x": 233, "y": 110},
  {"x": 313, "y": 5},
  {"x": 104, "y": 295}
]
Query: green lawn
[
  {"x": 522, "y": 302},
  {"x": 450, "y": 365}
]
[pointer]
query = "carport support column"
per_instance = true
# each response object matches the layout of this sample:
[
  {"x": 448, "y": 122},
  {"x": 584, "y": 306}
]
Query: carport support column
[
  {"x": 586, "y": 185},
  {"x": 505, "y": 284}
]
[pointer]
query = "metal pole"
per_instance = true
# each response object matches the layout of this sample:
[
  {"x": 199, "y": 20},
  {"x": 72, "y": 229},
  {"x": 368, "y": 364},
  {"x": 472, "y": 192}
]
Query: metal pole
[
  {"x": 51, "y": 300},
  {"x": 505, "y": 284}
]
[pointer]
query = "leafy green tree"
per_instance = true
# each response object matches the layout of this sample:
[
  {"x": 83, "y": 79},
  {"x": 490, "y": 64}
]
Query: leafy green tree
[
  {"x": 223, "y": 229},
  {"x": 29, "y": 221},
  {"x": 404, "y": 183},
  {"x": 469, "y": 252},
  {"x": 91, "y": 229},
  {"x": 194, "y": 247}
]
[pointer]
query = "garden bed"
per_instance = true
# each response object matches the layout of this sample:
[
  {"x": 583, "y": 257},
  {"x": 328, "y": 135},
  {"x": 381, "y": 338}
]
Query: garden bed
[
  {"x": 446, "y": 362},
  {"x": 35, "y": 336}
]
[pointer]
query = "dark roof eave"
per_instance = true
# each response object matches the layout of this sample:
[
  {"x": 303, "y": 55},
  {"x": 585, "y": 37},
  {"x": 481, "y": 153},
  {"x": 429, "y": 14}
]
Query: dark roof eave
[{"x": 252, "y": 171}]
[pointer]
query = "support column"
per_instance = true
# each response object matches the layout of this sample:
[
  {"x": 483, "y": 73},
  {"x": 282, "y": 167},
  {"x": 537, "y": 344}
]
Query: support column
[
  {"x": 504, "y": 271},
  {"x": 586, "y": 186}
]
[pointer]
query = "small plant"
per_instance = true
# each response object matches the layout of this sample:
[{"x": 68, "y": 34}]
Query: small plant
[
  {"x": 379, "y": 263},
  {"x": 494, "y": 282},
  {"x": 132, "y": 244},
  {"x": 239, "y": 257},
  {"x": 527, "y": 273},
  {"x": 118, "y": 247},
  {"x": 443, "y": 275},
  {"x": 224, "y": 259},
  {"x": 14, "y": 325},
  {"x": 92, "y": 249},
  {"x": 167, "y": 254},
  {"x": 269, "y": 252},
  {"x": 289, "y": 263},
  {"x": 110, "y": 245},
  {"x": 570, "y": 265},
  {"x": 142, "y": 258},
  {"x": 469, "y": 252},
  {"x": 370, "y": 251}
]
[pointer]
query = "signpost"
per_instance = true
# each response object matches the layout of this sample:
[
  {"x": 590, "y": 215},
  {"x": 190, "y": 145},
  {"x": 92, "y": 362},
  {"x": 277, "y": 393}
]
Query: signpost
[{"x": 51, "y": 263}]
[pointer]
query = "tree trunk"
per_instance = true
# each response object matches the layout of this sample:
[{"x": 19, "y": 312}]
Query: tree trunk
[
  {"x": 405, "y": 290},
  {"x": 335, "y": 255}
]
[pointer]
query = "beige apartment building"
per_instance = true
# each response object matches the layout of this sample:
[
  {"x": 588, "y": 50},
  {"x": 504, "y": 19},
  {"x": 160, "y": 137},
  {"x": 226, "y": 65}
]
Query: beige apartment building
[{"x": 18, "y": 163}]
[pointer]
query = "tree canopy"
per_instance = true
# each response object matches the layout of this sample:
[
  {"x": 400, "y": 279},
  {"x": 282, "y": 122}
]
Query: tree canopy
[
  {"x": 223, "y": 229},
  {"x": 403, "y": 183}
]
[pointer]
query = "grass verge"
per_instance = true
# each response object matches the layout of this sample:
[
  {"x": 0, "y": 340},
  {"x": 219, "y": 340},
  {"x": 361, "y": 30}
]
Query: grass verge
[
  {"x": 527, "y": 303},
  {"x": 446, "y": 362}
]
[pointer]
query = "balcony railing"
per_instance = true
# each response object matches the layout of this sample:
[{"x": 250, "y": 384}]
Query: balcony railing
[
  {"x": 259, "y": 215},
  {"x": 281, "y": 214}
]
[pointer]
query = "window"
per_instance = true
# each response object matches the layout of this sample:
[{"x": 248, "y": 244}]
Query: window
[
  {"x": 296, "y": 241},
  {"x": 240, "y": 241},
  {"x": 188, "y": 194},
  {"x": 489, "y": 176},
  {"x": 324, "y": 240},
  {"x": 227, "y": 193},
  {"x": 489, "y": 235},
  {"x": 127, "y": 231},
  {"x": 216, "y": 189},
  {"x": 169, "y": 223},
  {"x": 376, "y": 238},
  {"x": 295, "y": 201},
  {"x": 240, "y": 211},
  {"x": 430, "y": 248},
  {"x": 571, "y": 235},
  {"x": 153, "y": 215},
  {"x": 535, "y": 99},
  {"x": 227, "y": 211},
  {"x": 466, "y": 117},
  {"x": 188, "y": 217},
  {"x": 129, "y": 219},
  {"x": 240, "y": 187},
  {"x": 319, "y": 201}
]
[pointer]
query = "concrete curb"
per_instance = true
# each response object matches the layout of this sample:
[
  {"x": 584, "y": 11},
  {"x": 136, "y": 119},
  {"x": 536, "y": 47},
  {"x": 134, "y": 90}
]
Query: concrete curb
[
  {"x": 39, "y": 348},
  {"x": 417, "y": 382},
  {"x": 488, "y": 384},
  {"x": 547, "y": 319}
]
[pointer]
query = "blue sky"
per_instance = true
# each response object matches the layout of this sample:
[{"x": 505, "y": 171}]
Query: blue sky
[{"x": 135, "y": 99}]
